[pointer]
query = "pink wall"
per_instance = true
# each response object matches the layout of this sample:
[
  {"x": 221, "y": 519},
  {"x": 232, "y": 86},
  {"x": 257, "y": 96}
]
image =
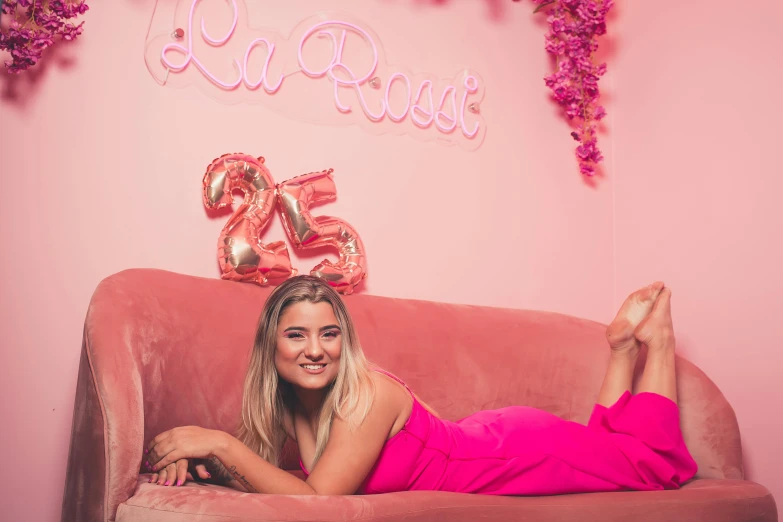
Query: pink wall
[
  {"x": 697, "y": 187},
  {"x": 113, "y": 182}
]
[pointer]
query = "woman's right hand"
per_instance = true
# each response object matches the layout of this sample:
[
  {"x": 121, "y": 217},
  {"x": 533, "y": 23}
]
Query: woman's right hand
[{"x": 177, "y": 473}]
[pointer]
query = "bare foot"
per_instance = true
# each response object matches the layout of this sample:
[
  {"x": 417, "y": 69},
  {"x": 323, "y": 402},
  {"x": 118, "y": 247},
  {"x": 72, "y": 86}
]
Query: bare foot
[
  {"x": 656, "y": 330},
  {"x": 634, "y": 310}
]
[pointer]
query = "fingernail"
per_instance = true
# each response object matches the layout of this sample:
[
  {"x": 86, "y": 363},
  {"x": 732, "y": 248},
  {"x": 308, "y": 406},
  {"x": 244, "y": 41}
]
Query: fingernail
[
  {"x": 209, "y": 475},
  {"x": 146, "y": 451},
  {"x": 148, "y": 464},
  {"x": 167, "y": 483},
  {"x": 179, "y": 483}
]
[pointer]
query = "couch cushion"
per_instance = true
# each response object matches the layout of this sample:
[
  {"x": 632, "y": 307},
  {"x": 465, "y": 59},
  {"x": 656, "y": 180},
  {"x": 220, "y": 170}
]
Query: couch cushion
[{"x": 700, "y": 500}]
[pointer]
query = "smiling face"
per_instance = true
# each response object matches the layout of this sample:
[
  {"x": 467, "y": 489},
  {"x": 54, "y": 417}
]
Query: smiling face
[{"x": 309, "y": 345}]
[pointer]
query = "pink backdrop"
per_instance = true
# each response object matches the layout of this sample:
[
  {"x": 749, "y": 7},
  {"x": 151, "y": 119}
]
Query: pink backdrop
[
  {"x": 695, "y": 149},
  {"x": 102, "y": 169}
]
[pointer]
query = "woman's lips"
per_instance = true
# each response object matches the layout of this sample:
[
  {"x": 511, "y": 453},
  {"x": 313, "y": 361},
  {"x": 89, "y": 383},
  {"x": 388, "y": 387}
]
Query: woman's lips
[{"x": 312, "y": 370}]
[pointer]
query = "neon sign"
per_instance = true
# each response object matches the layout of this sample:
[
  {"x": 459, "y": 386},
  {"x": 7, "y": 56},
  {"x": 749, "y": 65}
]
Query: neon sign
[{"x": 325, "y": 55}]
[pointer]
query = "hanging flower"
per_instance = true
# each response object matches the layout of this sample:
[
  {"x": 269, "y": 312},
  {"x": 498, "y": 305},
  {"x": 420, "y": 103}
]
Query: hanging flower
[
  {"x": 34, "y": 26},
  {"x": 574, "y": 26}
]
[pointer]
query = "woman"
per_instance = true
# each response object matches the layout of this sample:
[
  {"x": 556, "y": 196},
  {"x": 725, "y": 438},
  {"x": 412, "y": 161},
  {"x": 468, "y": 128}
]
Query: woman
[{"x": 361, "y": 430}]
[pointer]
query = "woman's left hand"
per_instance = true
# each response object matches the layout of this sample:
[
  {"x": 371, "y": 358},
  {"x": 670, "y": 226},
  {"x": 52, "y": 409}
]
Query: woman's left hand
[{"x": 185, "y": 442}]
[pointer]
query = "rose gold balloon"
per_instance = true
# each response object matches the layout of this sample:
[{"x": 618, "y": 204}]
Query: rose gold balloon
[
  {"x": 241, "y": 254},
  {"x": 306, "y": 231}
]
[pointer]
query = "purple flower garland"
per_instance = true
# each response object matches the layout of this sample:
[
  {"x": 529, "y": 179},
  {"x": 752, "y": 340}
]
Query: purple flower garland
[
  {"x": 574, "y": 26},
  {"x": 34, "y": 27}
]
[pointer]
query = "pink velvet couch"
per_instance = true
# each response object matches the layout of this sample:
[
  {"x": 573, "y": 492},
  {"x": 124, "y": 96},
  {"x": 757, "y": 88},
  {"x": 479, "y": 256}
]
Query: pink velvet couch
[{"x": 162, "y": 349}]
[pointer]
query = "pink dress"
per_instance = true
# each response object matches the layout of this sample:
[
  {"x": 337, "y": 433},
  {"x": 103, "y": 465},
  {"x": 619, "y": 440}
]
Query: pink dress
[{"x": 636, "y": 444}]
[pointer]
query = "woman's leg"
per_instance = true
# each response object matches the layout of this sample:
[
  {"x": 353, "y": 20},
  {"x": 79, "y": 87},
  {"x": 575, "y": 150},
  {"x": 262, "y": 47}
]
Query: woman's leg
[
  {"x": 644, "y": 428},
  {"x": 657, "y": 333},
  {"x": 624, "y": 345}
]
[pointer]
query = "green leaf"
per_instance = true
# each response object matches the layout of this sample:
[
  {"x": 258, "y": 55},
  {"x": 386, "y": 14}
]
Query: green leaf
[{"x": 540, "y": 7}]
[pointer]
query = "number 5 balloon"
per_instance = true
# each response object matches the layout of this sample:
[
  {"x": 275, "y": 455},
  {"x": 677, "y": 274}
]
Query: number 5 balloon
[{"x": 306, "y": 231}]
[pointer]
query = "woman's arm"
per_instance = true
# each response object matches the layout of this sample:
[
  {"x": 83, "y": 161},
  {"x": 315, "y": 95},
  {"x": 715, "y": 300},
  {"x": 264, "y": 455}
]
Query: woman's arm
[
  {"x": 348, "y": 458},
  {"x": 220, "y": 474},
  {"x": 219, "y": 471},
  {"x": 256, "y": 475}
]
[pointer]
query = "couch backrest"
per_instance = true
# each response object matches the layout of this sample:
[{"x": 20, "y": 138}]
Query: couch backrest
[
  {"x": 174, "y": 348},
  {"x": 462, "y": 358}
]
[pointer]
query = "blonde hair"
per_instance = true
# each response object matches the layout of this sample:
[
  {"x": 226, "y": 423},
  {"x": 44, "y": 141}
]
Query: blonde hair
[{"x": 267, "y": 399}]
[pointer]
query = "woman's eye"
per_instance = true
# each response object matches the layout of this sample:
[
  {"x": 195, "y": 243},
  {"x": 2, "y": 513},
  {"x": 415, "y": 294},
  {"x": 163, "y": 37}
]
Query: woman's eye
[
  {"x": 295, "y": 336},
  {"x": 332, "y": 334}
]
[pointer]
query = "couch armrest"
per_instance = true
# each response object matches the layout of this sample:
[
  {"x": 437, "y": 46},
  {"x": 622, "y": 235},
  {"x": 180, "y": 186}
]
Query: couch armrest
[
  {"x": 160, "y": 350},
  {"x": 84, "y": 481},
  {"x": 107, "y": 432},
  {"x": 709, "y": 425}
]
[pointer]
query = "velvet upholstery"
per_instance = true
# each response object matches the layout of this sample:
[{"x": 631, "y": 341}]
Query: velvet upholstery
[{"x": 163, "y": 349}]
